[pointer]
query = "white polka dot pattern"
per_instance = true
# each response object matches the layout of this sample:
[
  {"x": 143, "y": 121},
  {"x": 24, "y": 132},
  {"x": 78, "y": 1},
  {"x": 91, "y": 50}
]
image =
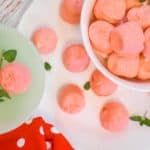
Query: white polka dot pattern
[
  {"x": 41, "y": 130},
  {"x": 48, "y": 145},
  {"x": 20, "y": 142},
  {"x": 54, "y": 130}
]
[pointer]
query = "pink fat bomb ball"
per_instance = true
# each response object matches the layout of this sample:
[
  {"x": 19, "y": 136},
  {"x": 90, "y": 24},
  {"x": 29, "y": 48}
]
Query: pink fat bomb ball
[
  {"x": 74, "y": 6},
  {"x": 15, "y": 78},
  {"x": 141, "y": 15},
  {"x": 101, "y": 85},
  {"x": 67, "y": 16},
  {"x": 146, "y": 51},
  {"x": 99, "y": 34},
  {"x": 127, "y": 39},
  {"x": 45, "y": 40},
  {"x": 75, "y": 58},
  {"x": 114, "y": 117},
  {"x": 110, "y": 10},
  {"x": 71, "y": 99}
]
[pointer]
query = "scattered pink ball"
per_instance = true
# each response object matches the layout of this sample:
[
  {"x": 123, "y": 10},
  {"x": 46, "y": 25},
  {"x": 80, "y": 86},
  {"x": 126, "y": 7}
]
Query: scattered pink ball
[
  {"x": 45, "y": 40},
  {"x": 114, "y": 117},
  {"x": 75, "y": 58},
  {"x": 101, "y": 85},
  {"x": 71, "y": 99}
]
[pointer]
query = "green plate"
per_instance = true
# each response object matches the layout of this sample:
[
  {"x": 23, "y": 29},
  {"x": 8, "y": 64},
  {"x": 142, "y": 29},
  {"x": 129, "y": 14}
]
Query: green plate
[{"x": 17, "y": 110}]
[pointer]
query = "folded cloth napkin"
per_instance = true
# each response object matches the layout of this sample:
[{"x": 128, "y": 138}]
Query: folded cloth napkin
[{"x": 34, "y": 135}]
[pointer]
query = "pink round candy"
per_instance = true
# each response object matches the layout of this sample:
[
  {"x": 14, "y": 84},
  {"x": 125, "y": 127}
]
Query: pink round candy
[
  {"x": 101, "y": 85},
  {"x": 74, "y": 6},
  {"x": 144, "y": 69},
  {"x": 71, "y": 99},
  {"x": 147, "y": 34},
  {"x": 141, "y": 15},
  {"x": 75, "y": 58},
  {"x": 110, "y": 10},
  {"x": 45, "y": 40},
  {"x": 68, "y": 16},
  {"x": 99, "y": 34},
  {"x": 146, "y": 51},
  {"x": 15, "y": 78},
  {"x": 133, "y": 3},
  {"x": 124, "y": 37},
  {"x": 114, "y": 117},
  {"x": 123, "y": 66}
]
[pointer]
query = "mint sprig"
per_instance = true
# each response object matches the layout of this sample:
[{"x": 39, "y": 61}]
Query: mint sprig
[
  {"x": 142, "y": 120},
  {"x": 4, "y": 94}
]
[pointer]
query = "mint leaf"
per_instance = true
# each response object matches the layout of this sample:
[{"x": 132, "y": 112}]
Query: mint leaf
[
  {"x": 87, "y": 86},
  {"x": 47, "y": 66},
  {"x": 1, "y": 62},
  {"x": 141, "y": 123},
  {"x": 142, "y": 1},
  {"x": 143, "y": 120},
  {"x": 10, "y": 55},
  {"x": 146, "y": 122},
  {"x": 2, "y": 100},
  {"x": 136, "y": 118},
  {"x": 3, "y": 93}
]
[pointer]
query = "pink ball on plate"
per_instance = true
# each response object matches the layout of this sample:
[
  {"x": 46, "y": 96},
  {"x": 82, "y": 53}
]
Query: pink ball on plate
[
  {"x": 71, "y": 99},
  {"x": 114, "y": 117},
  {"x": 15, "y": 78},
  {"x": 45, "y": 39},
  {"x": 75, "y": 58}
]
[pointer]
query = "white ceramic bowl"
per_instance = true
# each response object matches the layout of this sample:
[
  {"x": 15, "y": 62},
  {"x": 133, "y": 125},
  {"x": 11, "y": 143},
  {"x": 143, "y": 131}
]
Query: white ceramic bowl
[{"x": 85, "y": 21}]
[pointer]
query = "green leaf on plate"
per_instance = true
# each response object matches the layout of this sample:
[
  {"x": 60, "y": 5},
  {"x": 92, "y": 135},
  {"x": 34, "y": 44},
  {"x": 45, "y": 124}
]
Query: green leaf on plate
[
  {"x": 3, "y": 93},
  {"x": 87, "y": 86},
  {"x": 10, "y": 55},
  {"x": 47, "y": 66},
  {"x": 2, "y": 100}
]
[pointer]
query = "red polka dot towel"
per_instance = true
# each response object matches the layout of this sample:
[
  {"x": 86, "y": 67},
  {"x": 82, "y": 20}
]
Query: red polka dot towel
[{"x": 35, "y": 135}]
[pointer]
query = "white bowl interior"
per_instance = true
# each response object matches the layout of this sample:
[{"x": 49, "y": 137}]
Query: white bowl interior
[{"x": 85, "y": 21}]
